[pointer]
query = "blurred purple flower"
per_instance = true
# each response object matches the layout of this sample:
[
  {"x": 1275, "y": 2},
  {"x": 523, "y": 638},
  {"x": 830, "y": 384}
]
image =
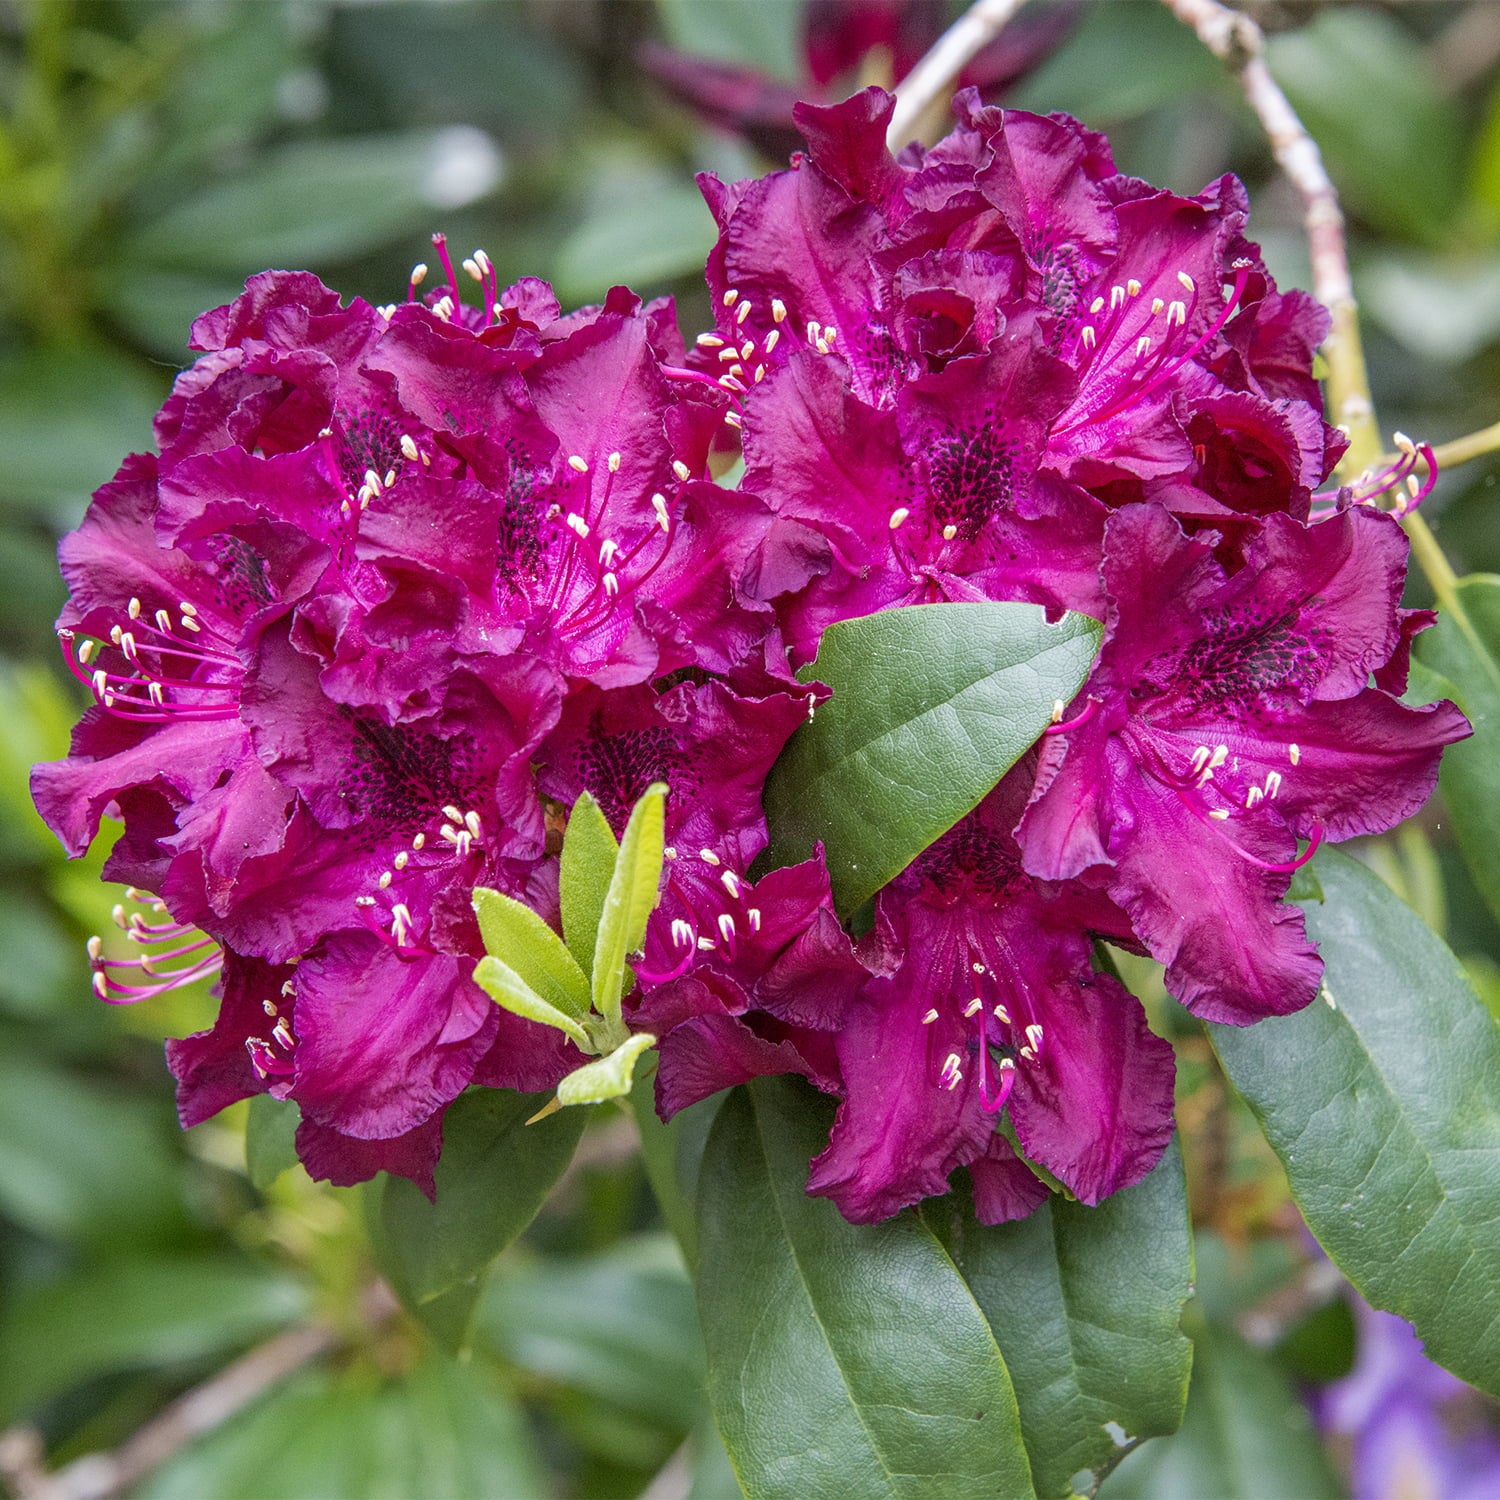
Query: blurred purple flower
[{"x": 1412, "y": 1430}]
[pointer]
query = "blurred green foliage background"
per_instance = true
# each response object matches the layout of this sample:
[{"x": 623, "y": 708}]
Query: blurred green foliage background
[{"x": 153, "y": 153}]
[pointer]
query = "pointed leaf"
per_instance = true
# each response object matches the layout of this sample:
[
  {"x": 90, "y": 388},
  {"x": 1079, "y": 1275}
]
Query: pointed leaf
[
  {"x": 518, "y": 937},
  {"x": 492, "y": 1177},
  {"x": 505, "y": 987},
  {"x": 607, "y": 1077},
  {"x": 1467, "y": 653},
  {"x": 1246, "y": 1436},
  {"x": 931, "y": 706},
  {"x": 587, "y": 866},
  {"x": 633, "y": 893},
  {"x": 1380, "y": 1100},
  {"x": 1085, "y": 1304},
  {"x": 844, "y": 1360}
]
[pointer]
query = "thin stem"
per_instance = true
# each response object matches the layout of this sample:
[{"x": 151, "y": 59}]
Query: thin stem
[
  {"x": 1240, "y": 45},
  {"x": 932, "y": 78}
]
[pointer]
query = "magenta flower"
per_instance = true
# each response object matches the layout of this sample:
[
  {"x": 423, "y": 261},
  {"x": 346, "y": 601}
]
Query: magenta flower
[
  {"x": 1228, "y": 717},
  {"x": 329, "y": 630},
  {"x": 988, "y": 1001},
  {"x": 950, "y": 366}
]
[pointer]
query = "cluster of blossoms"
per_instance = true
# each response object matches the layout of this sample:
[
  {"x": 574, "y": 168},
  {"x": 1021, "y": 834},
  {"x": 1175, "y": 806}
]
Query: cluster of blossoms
[{"x": 403, "y": 582}]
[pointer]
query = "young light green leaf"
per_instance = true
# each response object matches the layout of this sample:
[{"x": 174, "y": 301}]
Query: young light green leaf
[
  {"x": 585, "y": 870},
  {"x": 1085, "y": 1304},
  {"x": 1467, "y": 653},
  {"x": 843, "y": 1360},
  {"x": 518, "y": 937},
  {"x": 505, "y": 987},
  {"x": 633, "y": 894},
  {"x": 491, "y": 1179},
  {"x": 1380, "y": 1100},
  {"x": 931, "y": 706},
  {"x": 606, "y": 1077}
]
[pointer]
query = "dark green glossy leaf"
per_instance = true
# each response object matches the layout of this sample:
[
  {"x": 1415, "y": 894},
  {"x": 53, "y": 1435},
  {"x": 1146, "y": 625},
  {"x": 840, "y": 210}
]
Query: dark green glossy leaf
[
  {"x": 441, "y": 1430},
  {"x": 842, "y": 1359},
  {"x": 584, "y": 872},
  {"x": 313, "y": 202},
  {"x": 1085, "y": 1304},
  {"x": 1380, "y": 1100},
  {"x": 1246, "y": 1436},
  {"x": 131, "y": 1314},
  {"x": 270, "y": 1139},
  {"x": 1467, "y": 654},
  {"x": 493, "y": 1175},
  {"x": 931, "y": 706}
]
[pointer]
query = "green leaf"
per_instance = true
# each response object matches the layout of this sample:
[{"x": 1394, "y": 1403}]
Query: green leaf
[
  {"x": 67, "y": 418},
  {"x": 618, "y": 1327},
  {"x": 506, "y": 988},
  {"x": 82, "y": 1164},
  {"x": 517, "y": 935},
  {"x": 314, "y": 202},
  {"x": 135, "y": 1314},
  {"x": 608, "y": 1077},
  {"x": 270, "y": 1139},
  {"x": 492, "y": 1178},
  {"x": 931, "y": 706},
  {"x": 1246, "y": 1436},
  {"x": 668, "y": 234},
  {"x": 1085, "y": 1304},
  {"x": 585, "y": 870},
  {"x": 1391, "y": 134},
  {"x": 672, "y": 1153},
  {"x": 634, "y": 890},
  {"x": 1380, "y": 1100},
  {"x": 756, "y": 33},
  {"x": 843, "y": 1359},
  {"x": 1467, "y": 653},
  {"x": 442, "y": 1429}
]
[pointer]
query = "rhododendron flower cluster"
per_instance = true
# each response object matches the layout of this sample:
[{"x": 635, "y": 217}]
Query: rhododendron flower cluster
[{"x": 401, "y": 583}]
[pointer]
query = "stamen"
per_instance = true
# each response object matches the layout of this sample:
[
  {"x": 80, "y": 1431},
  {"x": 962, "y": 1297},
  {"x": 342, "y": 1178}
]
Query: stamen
[{"x": 929, "y": 1018}]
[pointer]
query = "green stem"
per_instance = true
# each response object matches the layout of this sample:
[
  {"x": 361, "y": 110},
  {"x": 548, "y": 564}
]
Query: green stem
[{"x": 1435, "y": 566}]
